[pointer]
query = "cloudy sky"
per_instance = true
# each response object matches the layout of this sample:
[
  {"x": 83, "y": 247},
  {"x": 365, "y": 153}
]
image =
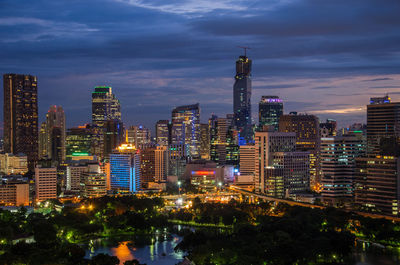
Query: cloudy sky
[{"x": 325, "y": 57}]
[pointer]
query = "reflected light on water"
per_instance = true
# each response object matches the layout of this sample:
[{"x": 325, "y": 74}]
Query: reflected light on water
[{"x": 122, "y": 252}]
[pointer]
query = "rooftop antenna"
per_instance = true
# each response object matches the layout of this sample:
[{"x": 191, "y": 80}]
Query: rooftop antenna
[{"x": 245, "y": 49}]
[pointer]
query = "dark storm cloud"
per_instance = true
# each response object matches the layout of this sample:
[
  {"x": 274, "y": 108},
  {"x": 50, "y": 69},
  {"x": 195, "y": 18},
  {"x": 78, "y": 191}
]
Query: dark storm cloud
[{"x": 159, "y": 54}]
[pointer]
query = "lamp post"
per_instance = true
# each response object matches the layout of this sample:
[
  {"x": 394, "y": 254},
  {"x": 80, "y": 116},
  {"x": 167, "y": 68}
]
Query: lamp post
[{"x": 179, "y": 187}]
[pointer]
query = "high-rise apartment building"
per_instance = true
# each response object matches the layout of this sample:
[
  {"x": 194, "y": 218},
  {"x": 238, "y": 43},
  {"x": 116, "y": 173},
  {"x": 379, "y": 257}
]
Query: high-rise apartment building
[
  {"x": 21, "y": 116},
  {"x": 177, "y": 158},
  {"x": 338, "y": 166},
  {"x": 242, "y": 97},
  {"x": 186, "y": 128},
  {"x": 163, "y": 132},
  {"x": 45, "y": 183},
  {"x": 204, "y": 141},
  {"x": 308, "y": 139},
  {"x": 270, "y": 109},
  {"x": 147, "y": 166},
  {"x": 74, "y": 177},
  {"x": 94, "y": 182},
  {"x": 247, "y": 158}
]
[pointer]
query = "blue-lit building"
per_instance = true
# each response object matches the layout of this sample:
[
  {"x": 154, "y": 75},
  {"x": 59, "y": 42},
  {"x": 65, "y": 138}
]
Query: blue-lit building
[{"x": 125, "y": 172}]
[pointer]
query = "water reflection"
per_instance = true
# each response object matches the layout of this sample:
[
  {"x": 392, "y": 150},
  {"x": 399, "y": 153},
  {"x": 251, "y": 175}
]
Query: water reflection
[{"x": 156, "y": 250}]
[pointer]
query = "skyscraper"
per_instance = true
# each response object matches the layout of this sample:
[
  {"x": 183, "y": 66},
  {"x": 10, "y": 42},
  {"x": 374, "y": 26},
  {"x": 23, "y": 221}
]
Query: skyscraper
[
  {"x": 105, "y": 106},
  {"x": 186, "y": 128},
  {"x": 163, "y": 132},
  {"x": 55, "y": 134},
  {"x": 242, "y": 97},
  {"x": 138, "y": 136},
  {"x": 270, "y": 110},
  {"x": 21, "y": 116},
  {"x": 78, "y": 141}
]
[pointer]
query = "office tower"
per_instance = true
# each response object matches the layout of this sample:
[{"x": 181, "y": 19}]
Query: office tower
[
  {"x": 105, "y": 106},
  {"x": 377, "y": 184},
  {"x": 125, "y": 169},
  {"x": 328, "y": 128},
  {"x": 177, "y": 158},
  {"x": 267, "y": 143},
  {"x": 73, "y": 177},
  {"x": 204, "y": 141},
  {"x": 78, "y": 142},
  {"x": 55, "y": 134},
  {"x": 186, "y": 128},
  {"x": 94, "y": 182},
  {"x": 21, "y": 116},
  {"x": 42, "y": 141},
  {"x": 247, "y": 158},
  {"x": 163, "y": 132},
  {"x": 308, "y": 139},
  {"x": 383, "y": 123},
  {"x": 270, "y": 109},
  {"x": 45, "y": 183},
  {"x": 288, "y": 175},
  {"x": 139, "y": 136},
  {"x": 242, "y": 97},
  {"x": 338, "y": 166},
  {"x": 13, "y": 164},
  {"x": 113, "y": 135},
  {"x": 161, "y": 163},
  {"x": 105, "y": 168},
  {"x": 14, "y": 193},
  {"x": 232, "y": 147}
]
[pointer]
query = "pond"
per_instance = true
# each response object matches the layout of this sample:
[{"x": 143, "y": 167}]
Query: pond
[{"x": 155, "y": 250}]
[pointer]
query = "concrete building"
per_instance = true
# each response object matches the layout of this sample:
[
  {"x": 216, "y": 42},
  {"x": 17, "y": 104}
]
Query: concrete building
[
  {"x": 73, "y": 177},
  {"x": 13, "y": 164},
  {"x": 45, "y": 183},
  {"x": 95, "y": 182},
  {"x": 163, "y": 136},
  {"x": 338, "y": 166},
  {"x": 161, "y": 164},
  {"x": 14, "y": 194}
]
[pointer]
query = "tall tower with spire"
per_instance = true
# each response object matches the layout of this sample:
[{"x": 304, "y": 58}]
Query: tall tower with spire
[{"x": 242, "y": 97}]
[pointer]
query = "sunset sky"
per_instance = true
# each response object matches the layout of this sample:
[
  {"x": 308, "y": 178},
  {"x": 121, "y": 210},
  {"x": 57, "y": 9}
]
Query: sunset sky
[{"x": 325, "y": 57}]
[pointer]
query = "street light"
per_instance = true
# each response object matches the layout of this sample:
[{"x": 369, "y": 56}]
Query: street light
[{"x": 179, "y": 187}]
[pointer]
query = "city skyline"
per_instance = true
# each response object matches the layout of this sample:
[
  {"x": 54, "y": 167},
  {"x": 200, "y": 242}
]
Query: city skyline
[{"x": 316, "y": 60}]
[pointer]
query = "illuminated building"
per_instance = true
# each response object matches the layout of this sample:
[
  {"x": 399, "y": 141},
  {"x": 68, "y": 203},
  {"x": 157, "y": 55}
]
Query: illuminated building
[
  {"x": 242, "y": 97},
  {"x": 21, "y": 116},
  {"x": 94, "y": 182},
  {"x": 161, "y": 166},
  {"x": 278, "y": 150},
  {"x": 105, "y": 106},
  {"x": 55, "y": 135},
  {"x": 73, "y": 177},
  {"x": 377, "y": 184},
  {"x": 139, "y": 136},
  {"x": 247, "y": 158},
  {"x": 308, "y": 139},
  {"x": 204, "y": 141},
  {"x": 106, "y": 117},
  {"x": 147, "y": 166},
  {"x": 338, "y": 166},
  {"x": 383, "y": 123},
  {"x": 45, "y": 183},
  {"x": 105, "y": 168},
  {"x": 204, "y": 174},
  {"x": 176, "y": 155},
  {"x": 328, "y": 128},
  {"x": 113, "y": 135},
  {"x": 78, "y": 142},
  {"x": 13, "y": 164},
  {"x": 163, "y": 132},
  {"x": 270, "y": 109},
  {"x": 186, "y": 128},
  {"x": 42, "y": 141},
  {"x": 224, "y": 148},
  {"x": 14, "y": 194},
  {"x": 125, "y": 169}
]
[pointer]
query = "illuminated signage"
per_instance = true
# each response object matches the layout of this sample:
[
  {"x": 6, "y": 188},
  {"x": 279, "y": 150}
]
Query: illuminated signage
[
  {"x": 203, "y": 172},
  {"x": 80, "y": 154}
]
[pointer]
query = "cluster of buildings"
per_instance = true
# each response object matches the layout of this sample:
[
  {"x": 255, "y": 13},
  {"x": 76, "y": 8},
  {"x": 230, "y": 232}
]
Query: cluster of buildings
[{"x": 293, "y": 156}]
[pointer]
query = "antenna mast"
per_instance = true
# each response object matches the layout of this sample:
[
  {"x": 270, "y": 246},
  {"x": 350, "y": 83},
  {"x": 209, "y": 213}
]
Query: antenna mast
[{"x": 245, "y": 49}]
